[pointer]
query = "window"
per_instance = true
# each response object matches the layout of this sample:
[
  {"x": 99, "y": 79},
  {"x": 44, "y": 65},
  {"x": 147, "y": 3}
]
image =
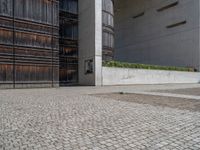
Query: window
[
  {"x": 168, "y": 6},
  {"x": 139, "y": 15},
  {"x": 108, "y": 6},
  {"x": 70, "y": 6},
  {"x": 70, "y": 31},
  {"x": 108, "y": 40},
  {"x": 108, "y": 19},
  {"x": 177, "y": 24},
  {"x": 108, "y": 29},
  {"x": 6, "y": 7}
]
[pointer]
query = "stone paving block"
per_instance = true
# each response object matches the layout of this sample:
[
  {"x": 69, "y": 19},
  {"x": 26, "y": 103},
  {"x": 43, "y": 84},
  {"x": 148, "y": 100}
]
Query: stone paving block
[{"x": 56, "y": 120}]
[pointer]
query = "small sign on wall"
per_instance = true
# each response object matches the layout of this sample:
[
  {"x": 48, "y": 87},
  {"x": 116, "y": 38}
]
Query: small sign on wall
[{"x": 89, "y": 66}]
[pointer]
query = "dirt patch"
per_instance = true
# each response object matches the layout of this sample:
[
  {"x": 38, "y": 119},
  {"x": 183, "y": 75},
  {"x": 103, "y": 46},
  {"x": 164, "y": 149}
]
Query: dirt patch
[
  {"x": 178, "y": 103},
  {"x": 191, "y": 91}
]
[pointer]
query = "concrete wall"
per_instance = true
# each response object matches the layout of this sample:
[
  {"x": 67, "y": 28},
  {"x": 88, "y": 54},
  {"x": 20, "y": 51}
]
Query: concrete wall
[
  {"x": 90, "y": 40},
  {"x": 121, "y": 76},
  {"x": 147, "y": 40}
]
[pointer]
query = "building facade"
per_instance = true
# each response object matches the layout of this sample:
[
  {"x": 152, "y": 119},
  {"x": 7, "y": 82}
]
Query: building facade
[
  {"x": 68, "y": 56},
  {"x": 108, "y": 30},
  {"x": 158, "y": 32},
  {"x": 64, "y": 42},
  {"x": 29, "y": 43}
]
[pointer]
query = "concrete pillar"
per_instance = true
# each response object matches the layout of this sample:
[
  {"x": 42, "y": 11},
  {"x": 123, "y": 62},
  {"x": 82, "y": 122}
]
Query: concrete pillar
[{"x": 90, "y": 42}]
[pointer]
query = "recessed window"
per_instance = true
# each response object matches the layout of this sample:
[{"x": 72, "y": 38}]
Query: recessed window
[
  {"x": 176, "y": 24},
  {"x": 139, "y": 15},
  {"x": 168, "y": 6},
  {"x": 108, "y": 39},
  {"x": 70, "y": 6},
  {"x": 108, "y": 20}
]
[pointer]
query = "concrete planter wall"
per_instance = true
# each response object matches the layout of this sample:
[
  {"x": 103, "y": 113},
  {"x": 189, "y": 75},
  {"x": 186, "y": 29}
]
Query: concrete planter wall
[{"x": 124, "y": 76}]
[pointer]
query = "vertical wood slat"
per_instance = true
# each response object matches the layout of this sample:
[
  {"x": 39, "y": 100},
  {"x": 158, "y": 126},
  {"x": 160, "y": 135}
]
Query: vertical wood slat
[
  {"x": 6, "y": 42},
  {"x": 34, "y": 32}
]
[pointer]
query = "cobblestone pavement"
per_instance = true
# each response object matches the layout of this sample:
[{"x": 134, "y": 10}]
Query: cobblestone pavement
[{"x": 54, "y": 119}]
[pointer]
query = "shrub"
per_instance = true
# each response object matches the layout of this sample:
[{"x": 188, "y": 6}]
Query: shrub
[{"x": 145, "y": 66}]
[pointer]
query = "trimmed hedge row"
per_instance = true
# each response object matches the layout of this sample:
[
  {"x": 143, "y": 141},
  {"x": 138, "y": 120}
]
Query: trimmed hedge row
[{"x": 144, "y": 66}]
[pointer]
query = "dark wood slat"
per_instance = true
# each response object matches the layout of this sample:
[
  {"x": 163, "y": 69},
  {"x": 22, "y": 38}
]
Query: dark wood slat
[{"x": 29, "y": 43}]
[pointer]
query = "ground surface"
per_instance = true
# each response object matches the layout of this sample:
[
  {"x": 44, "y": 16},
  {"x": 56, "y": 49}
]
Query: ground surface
[
  {"x": 81, "y": 118},
  {"x": 171, "y": 102},
  {"x": 188, "y": 91}
]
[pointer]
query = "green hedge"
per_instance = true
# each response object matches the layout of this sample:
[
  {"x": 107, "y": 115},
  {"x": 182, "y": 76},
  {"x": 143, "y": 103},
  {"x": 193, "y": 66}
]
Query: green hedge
[{"x": 144, "y": 66}]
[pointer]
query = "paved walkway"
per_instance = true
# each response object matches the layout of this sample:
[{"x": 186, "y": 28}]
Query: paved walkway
[
  {"x": 168, "y": 94},
  {"x": 69, "y": 118}
]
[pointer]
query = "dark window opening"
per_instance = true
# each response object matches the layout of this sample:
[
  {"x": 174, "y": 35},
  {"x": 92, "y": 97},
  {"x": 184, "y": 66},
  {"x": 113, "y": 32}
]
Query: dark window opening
[
  {"x": 168, "y": 6},
  {"x": 68, "y": 42},
  {"x": 69, "y": 6},
  {"x": 139, "y": 15},
  {"x": 176, "y": 24}
]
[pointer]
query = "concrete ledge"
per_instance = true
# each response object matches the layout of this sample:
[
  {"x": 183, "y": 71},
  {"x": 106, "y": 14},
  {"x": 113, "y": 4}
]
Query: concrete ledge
[
  {"x": 126, "y": 76},
  {"x": 35, "y": 85},
  {"x": 6, "y": 86}
]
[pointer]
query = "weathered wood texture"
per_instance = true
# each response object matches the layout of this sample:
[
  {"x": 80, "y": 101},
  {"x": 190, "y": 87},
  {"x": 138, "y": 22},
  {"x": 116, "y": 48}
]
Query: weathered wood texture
[
  {"x": 68, "y": 42},
  {"x": 108, "y": 30},
  {"x": 29, "y": 42}
]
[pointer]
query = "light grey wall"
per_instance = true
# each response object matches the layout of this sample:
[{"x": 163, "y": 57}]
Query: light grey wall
[
  {"x": 90, "y": 40},
  {"x": 147, "y": 40},
  {"x": 128, "y": 76}
]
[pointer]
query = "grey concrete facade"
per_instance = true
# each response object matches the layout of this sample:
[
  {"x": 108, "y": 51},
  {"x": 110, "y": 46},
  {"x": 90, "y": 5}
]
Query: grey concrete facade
[
  {"x": 155, "y": 32},
  {"x": 90, "y": 41},
  {"x": 144, "y": 35},
  {"x": 130, "y": 76}
]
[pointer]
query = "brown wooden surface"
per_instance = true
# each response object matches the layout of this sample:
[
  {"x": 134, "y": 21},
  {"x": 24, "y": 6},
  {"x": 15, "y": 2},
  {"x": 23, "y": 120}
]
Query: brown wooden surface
[{"x": 29, "y": 42}]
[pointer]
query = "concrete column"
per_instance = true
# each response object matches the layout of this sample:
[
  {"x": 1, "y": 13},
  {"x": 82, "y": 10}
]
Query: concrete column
[{"x": 90, "y": 41}]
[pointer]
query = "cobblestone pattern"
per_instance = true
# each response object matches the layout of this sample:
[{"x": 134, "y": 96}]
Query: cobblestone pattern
[{"x": 58, "y": 121}]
